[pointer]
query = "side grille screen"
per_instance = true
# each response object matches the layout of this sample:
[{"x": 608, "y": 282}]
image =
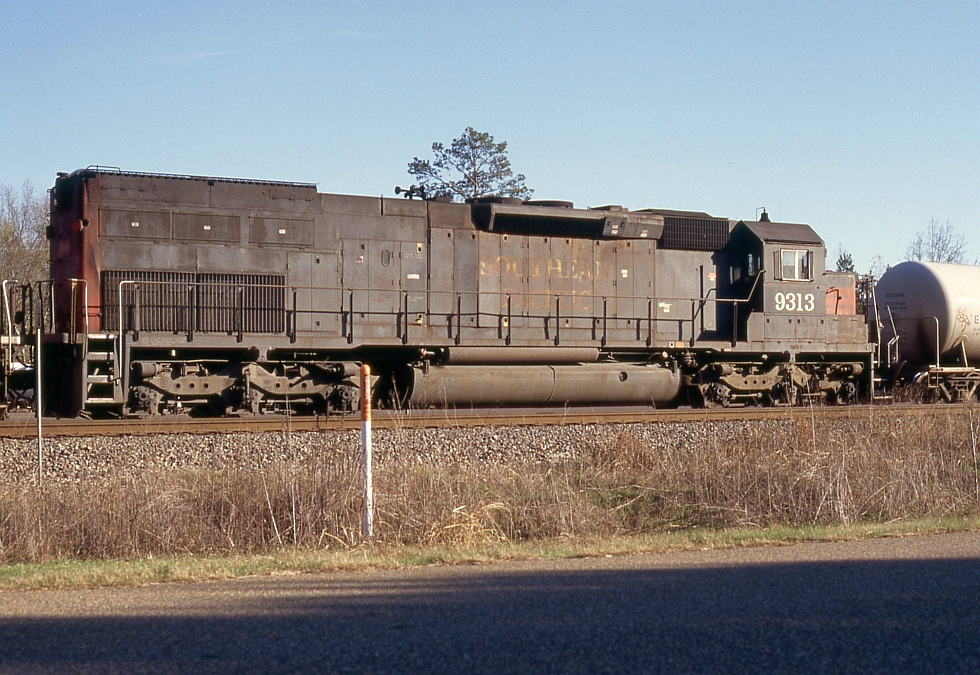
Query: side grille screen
[
  {"x": 694, "y": 234},
  {"x": 544, "y": 226},
  {"x": 182, "y": 301}
]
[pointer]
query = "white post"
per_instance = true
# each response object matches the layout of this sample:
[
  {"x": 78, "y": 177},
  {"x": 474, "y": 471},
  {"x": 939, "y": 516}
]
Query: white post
[
  {"x": 366, "y": 477},
  {"x": 37, "y": 403}
]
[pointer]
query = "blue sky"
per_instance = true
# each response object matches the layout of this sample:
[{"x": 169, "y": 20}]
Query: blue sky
[{"x": 859, "y": 118}]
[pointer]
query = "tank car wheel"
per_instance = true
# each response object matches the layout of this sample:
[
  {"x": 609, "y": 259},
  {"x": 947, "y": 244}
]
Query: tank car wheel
[{"x": 921, "y": 392}]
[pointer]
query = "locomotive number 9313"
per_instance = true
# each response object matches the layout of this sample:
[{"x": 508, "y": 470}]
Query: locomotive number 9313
[{"x": 795, "y": 302}]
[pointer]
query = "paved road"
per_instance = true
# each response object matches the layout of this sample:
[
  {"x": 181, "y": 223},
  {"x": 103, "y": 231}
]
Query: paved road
[{"x": 894, "y": 605}]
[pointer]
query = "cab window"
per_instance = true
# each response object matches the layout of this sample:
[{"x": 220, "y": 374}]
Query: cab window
[{"x": 797, "y": 264}]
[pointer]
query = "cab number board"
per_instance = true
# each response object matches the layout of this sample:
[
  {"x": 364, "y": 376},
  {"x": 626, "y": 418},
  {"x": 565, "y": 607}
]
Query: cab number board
[{"x": 795, "y": 302}]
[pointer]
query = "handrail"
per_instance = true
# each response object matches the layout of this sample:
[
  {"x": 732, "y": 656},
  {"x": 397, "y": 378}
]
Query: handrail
[
  {"x": 6, "y": 305},
  {"x": 736, "y": 302},
  {"x": 117, "y": 346},
  {"x": 936, "y": 319},
  {"x": 553, "y": 309},
  {"x": 893, "y": 342},
  {"x": 9, "y": 348}
]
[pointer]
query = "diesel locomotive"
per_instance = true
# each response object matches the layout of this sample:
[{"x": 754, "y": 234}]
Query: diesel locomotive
[{"x": 177, "y": 293}]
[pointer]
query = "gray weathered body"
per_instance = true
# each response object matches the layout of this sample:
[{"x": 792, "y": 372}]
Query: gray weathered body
[{"x": 259, "y": 290}]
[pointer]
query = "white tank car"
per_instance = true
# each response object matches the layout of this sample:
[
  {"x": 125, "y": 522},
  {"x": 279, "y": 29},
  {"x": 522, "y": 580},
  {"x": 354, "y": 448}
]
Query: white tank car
[{"x": 931, "y": 304}]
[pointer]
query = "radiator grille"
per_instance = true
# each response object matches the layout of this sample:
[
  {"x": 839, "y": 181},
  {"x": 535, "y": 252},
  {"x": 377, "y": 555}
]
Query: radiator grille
[
  {"x": 180, "y": 302},
  {"x": 694, "y": 234}
]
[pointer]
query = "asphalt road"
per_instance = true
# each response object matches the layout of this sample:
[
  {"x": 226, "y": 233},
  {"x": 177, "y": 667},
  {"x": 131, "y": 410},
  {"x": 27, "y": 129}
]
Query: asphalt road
[{"x": 892, "y": 605}]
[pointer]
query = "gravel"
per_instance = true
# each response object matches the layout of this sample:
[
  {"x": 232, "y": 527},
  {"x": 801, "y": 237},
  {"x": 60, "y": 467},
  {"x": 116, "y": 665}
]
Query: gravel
[{"x": 80, "y": 459}]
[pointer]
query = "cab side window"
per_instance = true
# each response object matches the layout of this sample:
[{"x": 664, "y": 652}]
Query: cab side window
[{"x": 797, "y": 264}]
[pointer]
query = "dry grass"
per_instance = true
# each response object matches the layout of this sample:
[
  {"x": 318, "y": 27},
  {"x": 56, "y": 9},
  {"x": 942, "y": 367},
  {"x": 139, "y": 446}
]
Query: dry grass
[
  {"x": 872, "y": 469},
  {"x": 196, "y": 568}
]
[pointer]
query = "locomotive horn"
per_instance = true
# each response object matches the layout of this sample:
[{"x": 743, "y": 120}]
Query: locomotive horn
[{"x": 411, "y": 192}]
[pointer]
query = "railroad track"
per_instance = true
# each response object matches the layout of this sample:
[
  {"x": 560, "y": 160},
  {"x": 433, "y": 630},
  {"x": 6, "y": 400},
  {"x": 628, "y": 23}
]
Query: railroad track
[{"x": 25, "y": 426}]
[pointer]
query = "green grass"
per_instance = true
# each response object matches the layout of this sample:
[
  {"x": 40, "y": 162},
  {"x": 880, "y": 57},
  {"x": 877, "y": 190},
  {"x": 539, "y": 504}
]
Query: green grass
[{"x": 196, "y": 568}]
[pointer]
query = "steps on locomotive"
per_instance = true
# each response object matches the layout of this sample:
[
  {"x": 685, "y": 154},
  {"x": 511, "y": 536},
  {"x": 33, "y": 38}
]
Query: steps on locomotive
[
  {"x": 102, "y": 384},
  {"x": 878, "y": 386}
]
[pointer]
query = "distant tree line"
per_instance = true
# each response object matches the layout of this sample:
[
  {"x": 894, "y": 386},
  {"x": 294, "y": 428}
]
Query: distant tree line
[
  {"x": 936, "y": 242},
  {"x": 23, "y": 245}
]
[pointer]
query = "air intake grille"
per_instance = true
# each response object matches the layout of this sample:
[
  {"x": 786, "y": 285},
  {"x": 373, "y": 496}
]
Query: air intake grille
[
  {"x": 694, "y": 234},
  {"x": 179, "y": 302},
  {"x": 548, "y": 226}
]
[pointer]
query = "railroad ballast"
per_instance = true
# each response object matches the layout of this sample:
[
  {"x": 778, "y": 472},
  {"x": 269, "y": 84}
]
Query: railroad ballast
[{"x": 172, "y": 293}]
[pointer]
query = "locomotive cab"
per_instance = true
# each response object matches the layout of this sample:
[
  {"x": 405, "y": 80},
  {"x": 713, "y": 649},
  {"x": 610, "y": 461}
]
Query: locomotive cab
[{"x": 791, "y": 325}]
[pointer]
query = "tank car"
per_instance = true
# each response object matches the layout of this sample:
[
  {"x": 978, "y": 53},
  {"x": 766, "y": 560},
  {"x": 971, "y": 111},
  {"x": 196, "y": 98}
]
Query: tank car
[
  {"x": 172, "y": 293},
  {"x": 928, "y": 320}
]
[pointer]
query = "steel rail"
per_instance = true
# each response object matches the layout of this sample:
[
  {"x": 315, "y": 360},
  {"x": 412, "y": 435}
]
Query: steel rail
[{"x": 22, "y": 426}]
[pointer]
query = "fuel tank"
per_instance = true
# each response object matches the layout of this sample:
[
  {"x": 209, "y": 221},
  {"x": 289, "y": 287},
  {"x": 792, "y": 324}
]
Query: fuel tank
[
  {"x": 933, "y": 306},
  {"x": 493, "y": 385}
]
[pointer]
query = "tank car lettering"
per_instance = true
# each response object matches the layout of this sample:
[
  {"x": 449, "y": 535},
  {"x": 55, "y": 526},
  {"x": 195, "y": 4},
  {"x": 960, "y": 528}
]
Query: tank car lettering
[{"x": 962, "y": 317}]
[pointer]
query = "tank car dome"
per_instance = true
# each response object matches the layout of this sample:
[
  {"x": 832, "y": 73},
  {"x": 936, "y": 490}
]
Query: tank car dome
[{"x": 931, "y": 303}]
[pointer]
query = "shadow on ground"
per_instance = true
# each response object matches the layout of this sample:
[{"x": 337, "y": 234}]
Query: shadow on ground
[{"x": 900, "y": 616}]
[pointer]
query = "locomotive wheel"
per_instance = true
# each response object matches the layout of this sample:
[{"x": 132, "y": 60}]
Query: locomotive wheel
[
  {"x": 847, "y": 393},
  {"x": 717, "y": 395},
  {"x": 786, "y": 393},
  {"x": 218, "y": 406},
  {"x": 145, "y": 401}
]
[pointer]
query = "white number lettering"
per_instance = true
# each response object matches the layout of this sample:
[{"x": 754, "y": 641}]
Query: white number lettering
[{"x": 795, "y": 302}]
